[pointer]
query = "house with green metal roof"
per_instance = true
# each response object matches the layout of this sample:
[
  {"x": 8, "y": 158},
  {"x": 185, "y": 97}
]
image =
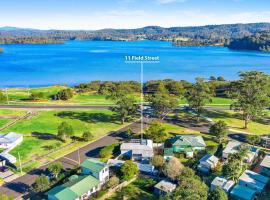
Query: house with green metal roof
[
  {"x": 95, "y": 168},
  {"x": 78, "y": 187},
  {"x": 94, "y": 175},
  {"x": 184, "y": 144}
]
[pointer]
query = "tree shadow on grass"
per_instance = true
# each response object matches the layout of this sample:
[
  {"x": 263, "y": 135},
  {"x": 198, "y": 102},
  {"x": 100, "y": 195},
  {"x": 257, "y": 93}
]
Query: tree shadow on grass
[
  {"x": 89, "y": 117},
  {"x": 44, "y": 136}
]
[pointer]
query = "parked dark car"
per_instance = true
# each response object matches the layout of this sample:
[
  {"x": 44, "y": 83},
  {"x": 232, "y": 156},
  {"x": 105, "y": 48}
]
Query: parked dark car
[{"x": 3, "y": 169}]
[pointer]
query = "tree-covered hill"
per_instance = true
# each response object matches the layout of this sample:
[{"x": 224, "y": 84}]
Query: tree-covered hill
[
  {"x": 201, "y": 35},
  {"x": 258, "y": 42}
]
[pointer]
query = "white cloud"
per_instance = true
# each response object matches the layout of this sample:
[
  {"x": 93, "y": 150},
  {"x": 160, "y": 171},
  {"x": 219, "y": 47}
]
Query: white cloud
[{"x": 169, "y": 1}]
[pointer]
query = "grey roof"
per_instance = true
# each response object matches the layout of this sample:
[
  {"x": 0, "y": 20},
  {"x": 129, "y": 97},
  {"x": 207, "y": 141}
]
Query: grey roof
[
  {"x": 9, "y": 137},
  {"x": 223, "y": 183},
  {"x": 165, "y": 186},
  {"x": 266, "y": 161},
  {"x": 232, "y": 147},
  {"x": 144, "y": 147}
]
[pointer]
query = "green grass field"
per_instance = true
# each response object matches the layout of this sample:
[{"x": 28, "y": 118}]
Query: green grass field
[
  {"x": 21, "y": 96},
  {"x": 175, "y": 129},
  {"x": 44, "y": 128},
  {"x": 7, "y": 115},
  {"x": 214, "y": 101},
  {"x": 12, "y": 112},
  {"x": 234, "y": 121},
  {"x": 4, "y": 121}
]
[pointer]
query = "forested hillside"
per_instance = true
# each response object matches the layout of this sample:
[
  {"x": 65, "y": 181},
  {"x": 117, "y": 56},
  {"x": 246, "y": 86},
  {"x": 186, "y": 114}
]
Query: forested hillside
[
  {"x": 197, "y": 35},
  {"x": 258, "y": 42}
]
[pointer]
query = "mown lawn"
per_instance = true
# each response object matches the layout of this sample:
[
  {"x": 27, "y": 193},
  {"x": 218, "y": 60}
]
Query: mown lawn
[
  {"x": 175, "y": 129},
  {"x": 12, "y": 112},
  {"x": 22, "y": 96},
  {"x": 92, "y": 99},
  {"x": 234, "y": 121},
  {"x": 47, "y": 122},
  {"x": 214, "y": 101},
  {"x": 141, "y": 188},
  {"x": 4, "y": 121},
  {"x": 43, "y": 129}
]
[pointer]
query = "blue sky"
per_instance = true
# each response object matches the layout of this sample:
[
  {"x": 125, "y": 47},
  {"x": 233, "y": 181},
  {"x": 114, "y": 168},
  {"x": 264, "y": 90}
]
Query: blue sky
[{"x": 98, "y": 14}]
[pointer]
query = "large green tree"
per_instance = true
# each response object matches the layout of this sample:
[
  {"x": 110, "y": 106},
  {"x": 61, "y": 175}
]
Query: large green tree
[
  {"x": 65, "y": 131},
  {"x": 219, "y": 130},
  {"x": 190, "y": 187},
  {"x": 64, "y": 94},
  {"x": 55, "y": 168},
  {"x": 125, "y": 105},
  {"x": 232, "y": 169},
  {"x": 197, "y": 95},
  {"x": 218, "y": 194},
  {"x": 156, "y": 131},
  {"x": 162, "y": 102},
  {"x": 128, "y": 170},
  {"x": 251, "y": 94},
  {"x": 42, "y": 183}
]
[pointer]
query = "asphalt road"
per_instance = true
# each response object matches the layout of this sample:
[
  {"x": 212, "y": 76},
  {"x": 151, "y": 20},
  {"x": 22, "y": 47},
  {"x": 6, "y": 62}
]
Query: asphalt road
[{"x": 20, "y": 187}]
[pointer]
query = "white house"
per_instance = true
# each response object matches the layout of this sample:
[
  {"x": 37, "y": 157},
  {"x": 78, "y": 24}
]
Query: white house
[
  {"x": 138, "y": 149},
  {"x": 83, "y": 186},
  {"x": 253, "y": 181},
  {"x": 164, "y": 187},
  {"x": 234, "y": 147},
  {"x": 207, "y": 163},
  {"x": 10, "y": 140},
  {"x": 95, "y": 168},
  {"x": 223, "y": 183},
  {"x": 265, "y": 166}
]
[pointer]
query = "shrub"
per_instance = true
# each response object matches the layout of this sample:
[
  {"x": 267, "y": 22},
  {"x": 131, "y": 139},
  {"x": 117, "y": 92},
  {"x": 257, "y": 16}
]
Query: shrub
[
  {"x": 114, "y": 181},
  {"x": 128, "y": 170}
]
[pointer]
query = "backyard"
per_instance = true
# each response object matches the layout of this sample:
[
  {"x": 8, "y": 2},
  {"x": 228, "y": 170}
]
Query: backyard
[{"x": 141, "y": 188}]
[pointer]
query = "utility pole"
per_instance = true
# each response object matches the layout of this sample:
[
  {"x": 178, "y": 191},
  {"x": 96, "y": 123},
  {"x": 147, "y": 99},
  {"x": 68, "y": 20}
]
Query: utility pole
[{"x": 20, "y": 162}]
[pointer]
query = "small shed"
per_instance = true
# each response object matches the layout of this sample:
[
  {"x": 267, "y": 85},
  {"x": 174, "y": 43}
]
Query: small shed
[{"x": 164, "y": 187}]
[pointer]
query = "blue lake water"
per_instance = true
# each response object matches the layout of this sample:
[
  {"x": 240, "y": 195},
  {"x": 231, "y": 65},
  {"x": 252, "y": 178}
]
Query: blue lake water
[{"x": 82, "y": 61}]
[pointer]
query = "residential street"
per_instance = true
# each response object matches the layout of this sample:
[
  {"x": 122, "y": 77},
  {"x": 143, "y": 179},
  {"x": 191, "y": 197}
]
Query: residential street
[{"x": 20, "y": 186}]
